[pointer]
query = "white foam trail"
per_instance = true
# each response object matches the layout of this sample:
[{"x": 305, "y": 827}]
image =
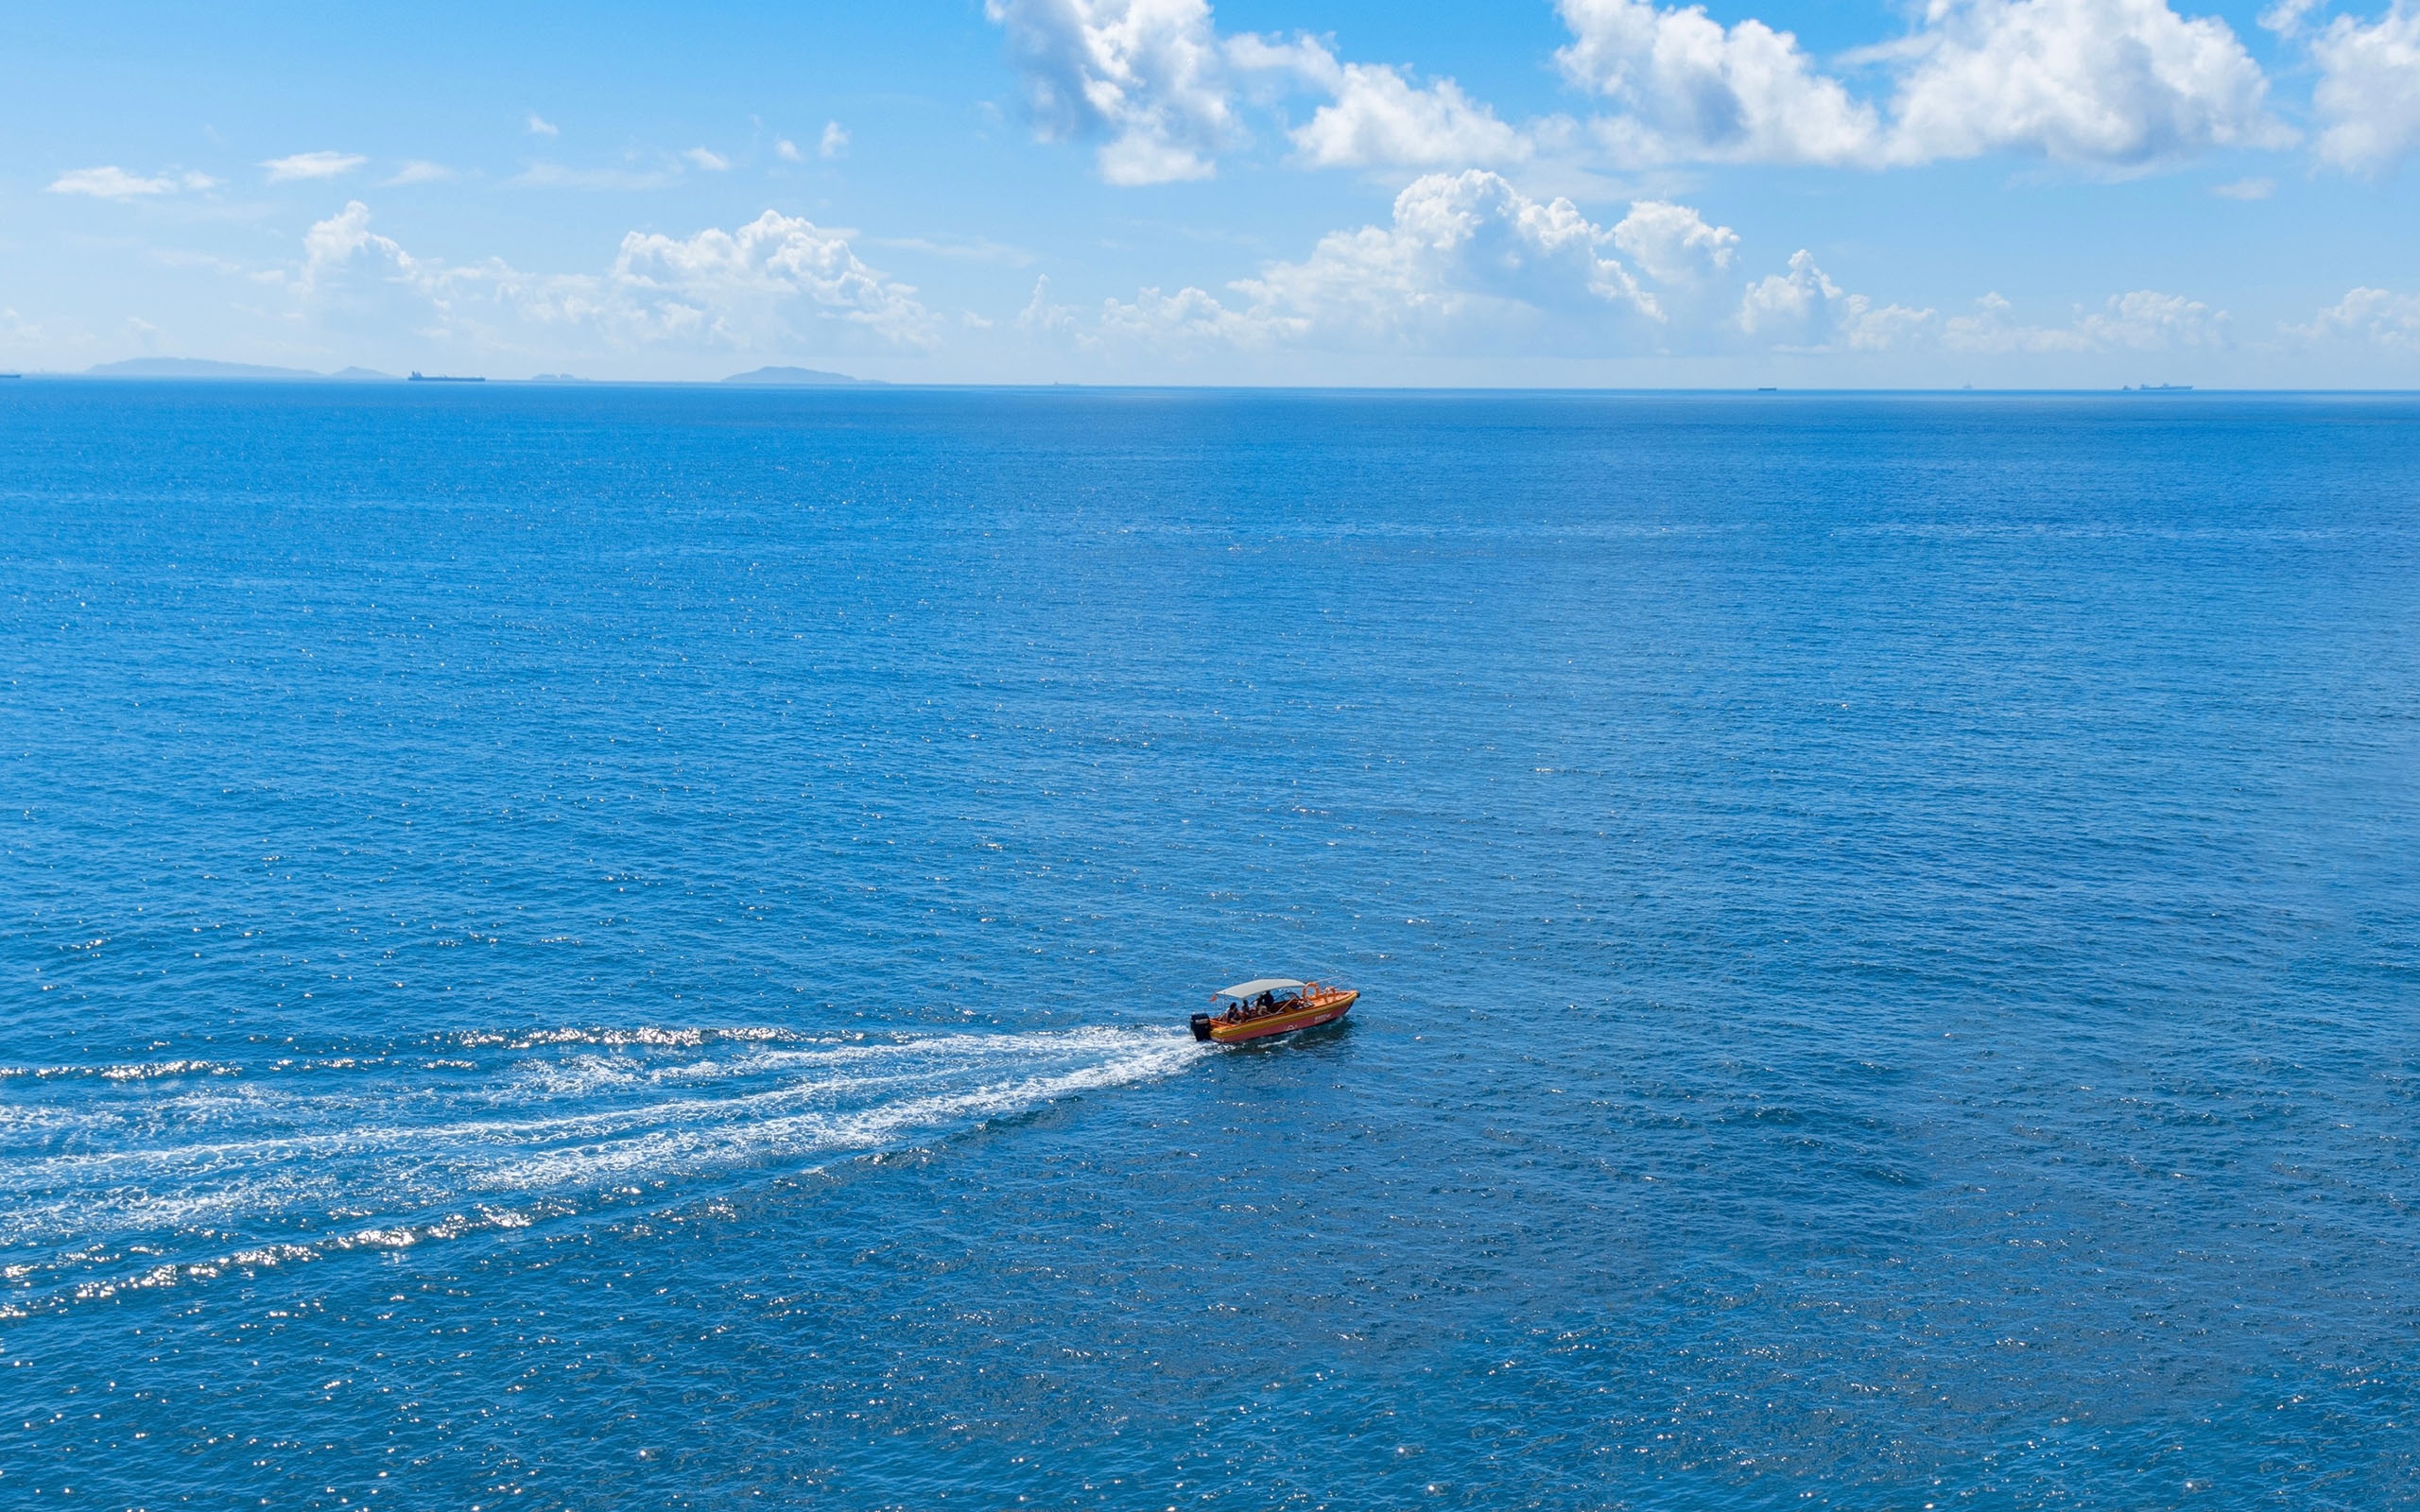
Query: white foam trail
[{"x": 303, "y": 1156}]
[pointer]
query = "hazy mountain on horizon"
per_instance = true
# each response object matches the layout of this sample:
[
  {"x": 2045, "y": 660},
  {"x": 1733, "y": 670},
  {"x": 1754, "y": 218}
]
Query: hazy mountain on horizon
[
  {"x": 799, "y": 377},
  {"x": 205, "y": 367}
]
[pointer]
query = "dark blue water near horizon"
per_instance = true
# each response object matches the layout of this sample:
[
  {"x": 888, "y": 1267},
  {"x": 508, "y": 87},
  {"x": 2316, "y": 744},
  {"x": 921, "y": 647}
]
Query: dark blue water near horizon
[{"x": 628, "y": 947}]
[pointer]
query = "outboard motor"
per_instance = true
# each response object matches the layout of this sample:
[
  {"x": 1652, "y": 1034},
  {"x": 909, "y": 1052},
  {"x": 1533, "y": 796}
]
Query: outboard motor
[{"x": 1201, "y": 1026}]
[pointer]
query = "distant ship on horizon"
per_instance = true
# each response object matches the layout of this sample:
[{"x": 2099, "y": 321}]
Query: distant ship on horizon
[
  {"x": 2158, "y": 389},
  {"x": 418, "y": 377}
]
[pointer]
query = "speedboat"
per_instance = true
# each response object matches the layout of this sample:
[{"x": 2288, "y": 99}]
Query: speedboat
[{"x": 1270, "y": 1004}]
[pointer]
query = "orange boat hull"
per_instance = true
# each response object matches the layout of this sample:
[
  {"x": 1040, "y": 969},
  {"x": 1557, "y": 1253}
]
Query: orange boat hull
[{"x": 1325, "y": 1009}]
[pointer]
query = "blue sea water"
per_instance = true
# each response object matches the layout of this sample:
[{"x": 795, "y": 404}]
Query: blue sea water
[{"x": 625, "y": 947}]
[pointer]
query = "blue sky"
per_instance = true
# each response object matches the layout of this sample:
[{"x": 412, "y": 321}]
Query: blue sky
[{"x": 2006, "y": 193}]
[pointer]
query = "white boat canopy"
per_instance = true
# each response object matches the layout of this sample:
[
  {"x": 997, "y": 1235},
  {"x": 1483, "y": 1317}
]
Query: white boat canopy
[{"x": 1253, "y": 988}]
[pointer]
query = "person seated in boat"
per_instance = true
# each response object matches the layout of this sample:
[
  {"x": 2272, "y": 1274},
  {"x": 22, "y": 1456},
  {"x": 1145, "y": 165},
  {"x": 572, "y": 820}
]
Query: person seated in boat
[
  {"x": 1235, "y": 1013},
  {"x": 1268, "y": 1001}
]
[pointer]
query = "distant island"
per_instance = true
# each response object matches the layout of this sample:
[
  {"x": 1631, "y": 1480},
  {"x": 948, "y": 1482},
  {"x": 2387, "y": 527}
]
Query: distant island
[
  {"x": 797, "y": 377},
  {"x": 204, "y": 368}
]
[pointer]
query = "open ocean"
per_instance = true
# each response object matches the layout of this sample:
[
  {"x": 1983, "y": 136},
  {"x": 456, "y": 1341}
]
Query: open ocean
[{"x": 602, "y": 947}]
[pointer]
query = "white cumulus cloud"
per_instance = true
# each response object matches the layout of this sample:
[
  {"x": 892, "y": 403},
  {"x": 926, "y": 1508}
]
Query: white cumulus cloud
[
  {"x": 2368, "y": 93},
  {"x": 1690, "y": 88},
  {"x": 344, "y": 240},
  {"x": 1673, "y": 243},
  {"x": 1146, "y": 77},
  {"x": 1467, "y": 263},
  {"x": 2118, "y": 82},
  {"x": 312, "y": 165},
  {"x": 1157, "y": 82},
  {"x": 1378, "y": 118},
  {"x": 777, "y": 282},
  {"x": 1802, "y": 310},
  {"x": 2106, "y": 82},
  {"x": 2376, "y": 317},
  {"x": 1470, "y": 265},
  {"x": 775, "y": 263}
]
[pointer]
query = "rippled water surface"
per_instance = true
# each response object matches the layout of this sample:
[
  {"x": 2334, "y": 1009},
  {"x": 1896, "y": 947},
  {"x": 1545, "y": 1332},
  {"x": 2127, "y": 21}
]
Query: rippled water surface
[{"x": 616, "y": 947}]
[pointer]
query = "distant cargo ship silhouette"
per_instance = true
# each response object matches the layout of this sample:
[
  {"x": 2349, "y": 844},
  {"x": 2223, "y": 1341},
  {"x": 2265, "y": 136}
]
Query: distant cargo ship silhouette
[
  {"x": 2158, "y": 389},
  {"x": 440, "y": 378}
]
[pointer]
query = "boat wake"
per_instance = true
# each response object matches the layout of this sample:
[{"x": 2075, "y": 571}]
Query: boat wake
[{"x": 163, "y": 1173}]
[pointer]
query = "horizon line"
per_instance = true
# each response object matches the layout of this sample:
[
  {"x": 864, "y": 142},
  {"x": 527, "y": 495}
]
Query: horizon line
[{"x": 847, "y": 383}]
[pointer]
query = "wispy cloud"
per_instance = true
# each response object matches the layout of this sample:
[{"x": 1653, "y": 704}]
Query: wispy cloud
[
  {"x": 978, "y": 249},
  {"x": 418, "y": 171},
  {"x": 540, "y": 126},
  {"x": 788, "y": 151},
  {"x": 835, "y": 142},
  {"x": 312, "y": 165},
  {"x": 2145, "y": 320},
  {"x": 113, "y": 182},
  {"x": 708, "y": 159},
  {"x": 182, "y": 257},
  {"x": 554, "y": 176},
  {"x": 2246, "y": 189}
]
